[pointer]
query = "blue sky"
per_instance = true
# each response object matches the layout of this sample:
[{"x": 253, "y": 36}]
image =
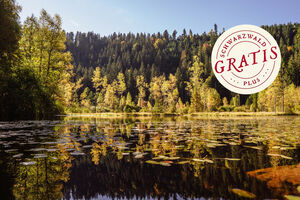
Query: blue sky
[{"x": 108, "y": 16}]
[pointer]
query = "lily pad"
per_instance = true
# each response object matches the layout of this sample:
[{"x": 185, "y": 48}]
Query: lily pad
[
  {"x": 139, "y": 156},
  {"x": 152, "y": 162},
  {"x": 202, "y": 160},
  {"x": 208, "y": 161},
  {"x": 183, "y": 162},
  {"x": 40, "y": 156},
  {"x": 292, "y": 197},
  {"x": 286, "y": 157},
  {"x": 160, "y": 157},
  {"x": 28, "y": 163},
  {"x": 18, "y": 155},
  {"x": 77, "y": 153},
  {"x": 164, "y": 163},
  {"x": 172, "y": 158},
  {"x": 243, "y": 193},
  {"x": 253, "y": 147},
  {"x": 52, "y": 150},
  {"x": 233, "y": 159}
]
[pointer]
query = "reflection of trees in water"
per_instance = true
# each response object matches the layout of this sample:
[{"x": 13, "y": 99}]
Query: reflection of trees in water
[
  {"x": 129, "y": 177},
  {"x": 123, "y": 176},
  {"x": 45, "y": 178},
  {"x": 107, "y": 169},
  {"x": 7, "y": 175}
]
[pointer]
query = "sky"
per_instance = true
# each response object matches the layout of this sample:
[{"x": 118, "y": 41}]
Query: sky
[{"x": 108, "y": 16}]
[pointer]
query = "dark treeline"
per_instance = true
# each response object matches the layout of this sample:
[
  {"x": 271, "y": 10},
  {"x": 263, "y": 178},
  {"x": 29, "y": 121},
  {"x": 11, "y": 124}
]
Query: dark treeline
[{"x": 45, "y": 71}]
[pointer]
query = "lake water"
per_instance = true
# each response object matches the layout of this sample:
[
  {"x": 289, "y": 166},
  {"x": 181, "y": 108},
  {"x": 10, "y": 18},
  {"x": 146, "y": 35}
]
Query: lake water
[{"x": 150, "y": 158}]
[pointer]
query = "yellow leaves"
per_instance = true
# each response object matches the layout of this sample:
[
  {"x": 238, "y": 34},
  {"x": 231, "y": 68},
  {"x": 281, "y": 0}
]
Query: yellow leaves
[
  {"x": 142, "y": 86},
  {"x": 158, "y": 43},
  {"x": 95, "y": 152},
  {"x": 121, "y": 87},
  {"x": 213, "y": 99},
  {"x": 156, "y": 87},
  {"x": 96, "y": 79},
  {"x": 243, "y": 193}
]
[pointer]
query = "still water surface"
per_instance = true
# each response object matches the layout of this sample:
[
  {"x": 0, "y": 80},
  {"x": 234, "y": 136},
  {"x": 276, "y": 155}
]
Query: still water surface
[{"x": 150, "y": 158}]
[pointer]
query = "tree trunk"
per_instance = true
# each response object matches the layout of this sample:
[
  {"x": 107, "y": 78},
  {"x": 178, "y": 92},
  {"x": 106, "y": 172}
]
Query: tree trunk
[{"x": 274, "y": 103}]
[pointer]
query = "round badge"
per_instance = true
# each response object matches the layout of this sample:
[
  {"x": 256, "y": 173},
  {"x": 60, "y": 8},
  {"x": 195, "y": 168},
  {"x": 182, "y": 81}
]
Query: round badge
[{"x": 246, "y": 59}]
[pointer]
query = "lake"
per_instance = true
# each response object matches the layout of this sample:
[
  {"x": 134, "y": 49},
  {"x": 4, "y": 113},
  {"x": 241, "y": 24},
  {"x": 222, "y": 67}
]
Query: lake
[{"x": 151, "y": 158}]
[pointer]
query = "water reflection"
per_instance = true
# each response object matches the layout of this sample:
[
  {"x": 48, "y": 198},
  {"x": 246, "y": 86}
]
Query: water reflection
[{"x": 149, "y": 158}]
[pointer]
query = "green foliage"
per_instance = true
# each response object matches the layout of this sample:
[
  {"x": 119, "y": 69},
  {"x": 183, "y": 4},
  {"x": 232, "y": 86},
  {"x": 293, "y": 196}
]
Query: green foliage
[
  {"x": 35, "y": 70},
  {"x": 227, "y": 108},
  {"x": 148, "y": 61},
  {"x": 158, "y": 72}
]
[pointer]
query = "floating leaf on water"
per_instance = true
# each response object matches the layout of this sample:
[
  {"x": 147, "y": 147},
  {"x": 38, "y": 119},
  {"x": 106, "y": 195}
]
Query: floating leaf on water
[
  {"x": 136, "y": 153},
  {"x": 253, "y": 147},
  {"x": 221, "y": 145},
  {"x": 291, "y": 197},
  {"x": 279, "y": 155},
  {"x": 122, "y": 147},
  {"x": 287, "y": 148},
  {"x": 243, "y": 193},
  {"x": 198, "y": 160},
  {"x": 172, "y": 158},
  {"x": 125, "y": 154},
  {"x": 54, "y": 158},
  {"x": 286, "y": 157},
  {"x": 233, "y": 159},
  {"x": 164, "y": 163},
  {"x": 202, "y": 160},
  {"x": 160, "y": 157},
  {"x": 208, "y": 161},
  {"x": 11, "y": 150},
  {"x": 28, "y": 163},
  {"x": 183, "y": 162},
  {"x": 168, "y": 161},
  {"x": 40, "y": 156},
  {"x": 139, "y": 156},
  {"x": 77, "y": 153},
  {"x": 70, "y": 149},
  {"x": 211, "y": 145},
  {"x": 87, "y": 146},
  {"x": 38, "y": 149},
  {"x": 18, "y": 155},
  {"x": 275, "y": 147},
  {"x": 152, "y": 162},
  {"x": 273, "y": 154},
  {"x": 52, "y": 150}
]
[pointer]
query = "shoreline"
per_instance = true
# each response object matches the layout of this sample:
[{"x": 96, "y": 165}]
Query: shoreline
[{"x": 193, "y": 115}]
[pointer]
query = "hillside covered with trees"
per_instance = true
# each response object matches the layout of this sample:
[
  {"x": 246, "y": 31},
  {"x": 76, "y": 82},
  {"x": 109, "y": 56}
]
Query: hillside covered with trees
[
  {"x": 166, "y": 72},
  {"x": 45, "y": 71}
]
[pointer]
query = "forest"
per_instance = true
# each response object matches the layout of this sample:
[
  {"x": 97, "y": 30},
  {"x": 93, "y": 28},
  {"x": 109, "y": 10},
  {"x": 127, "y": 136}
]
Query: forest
[{"x": 45, "y": 71}]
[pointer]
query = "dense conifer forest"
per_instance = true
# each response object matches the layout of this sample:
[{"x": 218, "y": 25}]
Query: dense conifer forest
[{"x": 45, "y": 71}]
